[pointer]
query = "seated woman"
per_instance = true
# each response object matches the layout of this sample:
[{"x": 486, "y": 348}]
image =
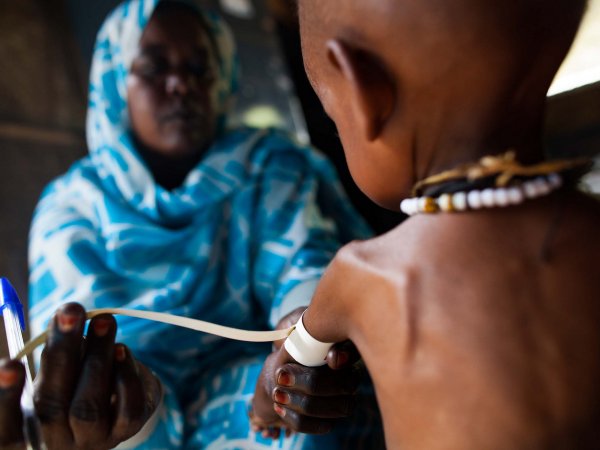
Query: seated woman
[
  {"x": 174, "y": 212},
  {"x": 479, "y": 316}
]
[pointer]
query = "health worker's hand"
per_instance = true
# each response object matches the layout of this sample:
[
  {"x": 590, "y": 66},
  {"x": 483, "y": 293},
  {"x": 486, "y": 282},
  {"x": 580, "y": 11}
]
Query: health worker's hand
[
  {"x": 12, "y": 379},
  {"x": 292, "y": 397},
  {"x": 90, "y": 393}
]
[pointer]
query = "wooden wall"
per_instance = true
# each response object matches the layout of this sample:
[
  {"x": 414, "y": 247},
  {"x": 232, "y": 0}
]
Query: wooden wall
[{"x": 42, "y": 107}]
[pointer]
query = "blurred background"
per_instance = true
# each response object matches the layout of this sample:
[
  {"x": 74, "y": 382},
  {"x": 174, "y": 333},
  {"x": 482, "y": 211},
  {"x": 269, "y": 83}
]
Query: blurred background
[{"x": 46, "y": 47}]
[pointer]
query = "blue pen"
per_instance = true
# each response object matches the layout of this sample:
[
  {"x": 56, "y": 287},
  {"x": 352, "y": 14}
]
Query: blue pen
[{"x": 14, "y": 325}]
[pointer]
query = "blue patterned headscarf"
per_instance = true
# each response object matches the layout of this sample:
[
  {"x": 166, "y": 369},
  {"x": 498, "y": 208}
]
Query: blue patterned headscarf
[
  {"x": 108, "y": 132},
  {"x": 243, "y": 240}
]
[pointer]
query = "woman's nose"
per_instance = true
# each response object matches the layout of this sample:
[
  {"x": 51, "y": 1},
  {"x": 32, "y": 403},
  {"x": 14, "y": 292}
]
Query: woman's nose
[{"x": 178, "y": 83}]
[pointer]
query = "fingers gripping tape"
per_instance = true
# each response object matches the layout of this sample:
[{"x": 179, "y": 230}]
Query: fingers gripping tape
[{"x": 306, "y": 349}]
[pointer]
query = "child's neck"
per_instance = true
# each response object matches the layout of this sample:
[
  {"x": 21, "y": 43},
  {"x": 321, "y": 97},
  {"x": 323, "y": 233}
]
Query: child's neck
[{"x": 451, "y": 147}]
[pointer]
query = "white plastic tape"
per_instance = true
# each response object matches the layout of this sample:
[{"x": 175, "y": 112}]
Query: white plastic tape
[{"x": 304, "y": 348}]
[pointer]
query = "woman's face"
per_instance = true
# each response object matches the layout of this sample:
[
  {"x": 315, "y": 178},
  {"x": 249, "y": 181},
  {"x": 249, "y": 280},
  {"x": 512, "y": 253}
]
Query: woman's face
[{"x": 172, "y": 103}]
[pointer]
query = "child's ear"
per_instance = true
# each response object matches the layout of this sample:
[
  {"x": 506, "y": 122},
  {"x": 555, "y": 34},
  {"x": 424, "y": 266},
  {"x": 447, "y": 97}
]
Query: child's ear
[{"x": 372, "y": 88}]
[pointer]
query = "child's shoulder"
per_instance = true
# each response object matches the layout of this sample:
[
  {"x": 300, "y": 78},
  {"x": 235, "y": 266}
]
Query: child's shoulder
[
  {"x": 483, "y": 244},
  {"x": 376, "y": 267}
]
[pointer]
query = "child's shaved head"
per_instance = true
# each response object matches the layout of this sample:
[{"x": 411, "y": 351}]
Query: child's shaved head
[
  {"x": 449, "y": 32},
  {"x": 554, "y": 20},
  {"x": 451, "y": 67}
]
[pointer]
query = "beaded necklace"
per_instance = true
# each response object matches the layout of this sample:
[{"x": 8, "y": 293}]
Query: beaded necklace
[{"x": 493, "y": 181}]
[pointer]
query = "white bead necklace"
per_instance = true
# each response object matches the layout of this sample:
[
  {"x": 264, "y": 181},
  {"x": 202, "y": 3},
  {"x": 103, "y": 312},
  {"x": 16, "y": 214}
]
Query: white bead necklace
[{"x": 485, "y": 198}]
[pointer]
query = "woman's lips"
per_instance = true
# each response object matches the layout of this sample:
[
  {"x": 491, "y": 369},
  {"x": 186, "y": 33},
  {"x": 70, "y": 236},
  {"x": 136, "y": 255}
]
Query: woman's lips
[
  {"x": 185, "y": 116},
  {"x": 182, "y": 112}
]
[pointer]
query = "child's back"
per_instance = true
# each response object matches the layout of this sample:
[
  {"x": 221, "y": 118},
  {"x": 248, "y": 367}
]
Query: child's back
[{"x": 482, "y": 331}]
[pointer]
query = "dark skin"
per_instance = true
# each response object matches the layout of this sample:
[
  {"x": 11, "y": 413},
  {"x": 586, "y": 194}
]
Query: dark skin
[
  {"x": 173, "y": 117},
  {"x": 89, "y": 393},
  {"x": 481, "y": 330},
  {"x": 311, "y": 399},
  {"x": 172, "y": 105},
  {"x": 12, "y": 380}
]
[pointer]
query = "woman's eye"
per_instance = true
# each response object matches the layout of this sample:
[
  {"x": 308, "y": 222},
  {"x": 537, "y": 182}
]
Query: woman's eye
[
  {"x": 149, "y": 68},
  {"x": 201, "y": 70}
]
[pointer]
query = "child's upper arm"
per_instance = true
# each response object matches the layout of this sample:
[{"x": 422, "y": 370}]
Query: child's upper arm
[{"x": 364, "y": 292}]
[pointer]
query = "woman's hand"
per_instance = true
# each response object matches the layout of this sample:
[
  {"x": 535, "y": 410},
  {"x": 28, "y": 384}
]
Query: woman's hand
[
  {"x": 292, "y": 397},
  {"x": 12, "y": 379},
  {"x": 90, "y": 393}
]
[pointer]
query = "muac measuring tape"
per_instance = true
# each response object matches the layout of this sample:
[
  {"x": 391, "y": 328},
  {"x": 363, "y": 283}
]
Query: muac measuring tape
[{"x": 301, "y": 346}]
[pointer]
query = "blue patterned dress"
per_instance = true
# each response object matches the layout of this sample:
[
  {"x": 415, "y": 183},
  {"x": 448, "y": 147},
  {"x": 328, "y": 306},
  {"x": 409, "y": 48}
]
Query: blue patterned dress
[{"x": 242, "y": 242}]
